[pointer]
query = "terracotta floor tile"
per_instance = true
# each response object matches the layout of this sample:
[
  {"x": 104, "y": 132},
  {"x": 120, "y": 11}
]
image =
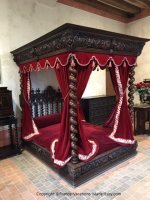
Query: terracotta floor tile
[{"x": 23, "y": 177}]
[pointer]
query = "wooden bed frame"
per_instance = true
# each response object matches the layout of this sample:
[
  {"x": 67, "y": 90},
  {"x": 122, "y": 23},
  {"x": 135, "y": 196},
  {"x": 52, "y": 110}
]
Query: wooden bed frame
[
  {"x": 69, "y": 38},
  {"x": 77, "y": 174},
  {"x": 50, "y": 101}
]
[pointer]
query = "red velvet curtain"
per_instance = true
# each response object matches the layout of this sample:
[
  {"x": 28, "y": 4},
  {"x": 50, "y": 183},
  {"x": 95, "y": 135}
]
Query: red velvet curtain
[
  {"x": 61, "y": 151},
  {"x": 86, "y": 145},
  {"x": 120, "y": 120},
  {"x": 61, "y": 145},
  {"x": 29, "y": 129}
]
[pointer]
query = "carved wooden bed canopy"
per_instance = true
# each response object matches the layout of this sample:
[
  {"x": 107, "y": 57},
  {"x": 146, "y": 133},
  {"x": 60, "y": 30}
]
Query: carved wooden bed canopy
[
  {"x": 70, "y": 37},
  {"x": 73, "y": 52}
]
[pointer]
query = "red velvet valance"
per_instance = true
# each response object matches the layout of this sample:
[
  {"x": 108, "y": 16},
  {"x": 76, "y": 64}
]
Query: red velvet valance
[{"x": 82, "y": 59}]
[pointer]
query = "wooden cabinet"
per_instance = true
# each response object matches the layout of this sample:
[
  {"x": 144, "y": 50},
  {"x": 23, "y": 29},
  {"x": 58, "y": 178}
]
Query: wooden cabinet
[
  {"x": 142, "y": 119},
  {"x": 15, "y": 146},
  {"x": 7, "y": 119},
  {"x": 97, "y": 109},
  {"x": 6, "y": 107}
]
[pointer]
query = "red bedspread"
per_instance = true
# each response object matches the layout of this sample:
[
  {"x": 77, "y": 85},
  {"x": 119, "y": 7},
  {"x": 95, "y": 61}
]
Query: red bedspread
[
  {"x": 99, "y": 134},
  {"x": 47, "y": 134}
]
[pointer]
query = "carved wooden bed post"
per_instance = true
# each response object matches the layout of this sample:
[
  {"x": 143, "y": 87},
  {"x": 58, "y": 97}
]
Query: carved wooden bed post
[
  {"x": 131, "y": 90},
  {"x": 21, "y": 89},
  {"x": 73, "y": 110}
]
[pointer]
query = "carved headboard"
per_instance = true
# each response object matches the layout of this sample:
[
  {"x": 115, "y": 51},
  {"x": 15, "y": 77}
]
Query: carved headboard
[{"x": 45, "y": 102}]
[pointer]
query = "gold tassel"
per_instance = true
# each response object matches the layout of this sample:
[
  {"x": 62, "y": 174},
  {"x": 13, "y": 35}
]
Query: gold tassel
[
  {"x": 124, "y": 64},
  {"x": 57, "y": 66},
  {"x": 110, "y": 65},
  {"x": 93, "y": 64},
  {"x": 97, "y": 68}
]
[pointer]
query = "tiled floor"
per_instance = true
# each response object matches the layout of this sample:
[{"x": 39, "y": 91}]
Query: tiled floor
[{"x": 24, "y": 177}]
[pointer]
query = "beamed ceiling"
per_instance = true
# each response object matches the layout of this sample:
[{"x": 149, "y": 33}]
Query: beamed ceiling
[{"x": 125, "y": 10}]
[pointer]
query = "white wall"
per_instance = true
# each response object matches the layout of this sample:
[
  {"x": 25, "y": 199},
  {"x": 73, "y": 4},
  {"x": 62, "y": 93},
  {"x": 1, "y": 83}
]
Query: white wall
[
  {"x": 141, "y": 28},
  {"x": 9, "y": 71},
  {"x": 22, "y": 21},
  {"x": 43, "y": 79}
]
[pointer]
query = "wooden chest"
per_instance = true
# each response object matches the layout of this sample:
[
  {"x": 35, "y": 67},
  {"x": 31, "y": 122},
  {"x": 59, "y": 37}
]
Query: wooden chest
[
  {"x": 6, "y": 107},
  {"x": 97, "y": 109}
]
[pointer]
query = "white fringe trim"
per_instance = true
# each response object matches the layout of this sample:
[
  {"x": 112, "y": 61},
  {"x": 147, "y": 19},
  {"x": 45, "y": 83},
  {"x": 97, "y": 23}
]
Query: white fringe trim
[
  {"x": 30, "y": 136},
  {"x": 56, "y": 161},
  {"x": 28, "y": 87},
  {"x": 86, "y": 157},
  {"x": 120, "y": 101},
  {"x": 112, "y": 135},
  {"x": 122, "y": 140},
  {"x": 36, "y": 132}
]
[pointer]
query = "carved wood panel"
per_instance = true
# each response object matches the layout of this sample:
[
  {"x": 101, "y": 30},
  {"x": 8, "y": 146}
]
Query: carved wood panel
[{"x": 46, "y": 102}]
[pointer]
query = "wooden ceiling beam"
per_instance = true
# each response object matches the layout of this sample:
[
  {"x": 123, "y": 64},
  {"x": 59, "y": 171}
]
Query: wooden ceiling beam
[
  {"x": 102, "y": 7},
  {"x": 121, "y": 5},
  {"x": 143, "y": 4}
]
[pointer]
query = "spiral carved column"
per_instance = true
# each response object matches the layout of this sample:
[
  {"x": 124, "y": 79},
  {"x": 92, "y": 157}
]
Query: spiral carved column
[
  {"x": 73, "y": 110},
  {"x": 21, "y": 90},
  {"x": 131, "y": 91}
]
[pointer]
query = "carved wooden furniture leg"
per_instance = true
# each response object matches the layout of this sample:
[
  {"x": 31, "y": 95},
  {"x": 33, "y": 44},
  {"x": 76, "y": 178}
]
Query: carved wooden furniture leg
[
  {"x": 131, "y": 91},
  {"x": 73, "y": 110},
  {"x": 11, "y": 134},
  {"x": 17, "y": 137}
]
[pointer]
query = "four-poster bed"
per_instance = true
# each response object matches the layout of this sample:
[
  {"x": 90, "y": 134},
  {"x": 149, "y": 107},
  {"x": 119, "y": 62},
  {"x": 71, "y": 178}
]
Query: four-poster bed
[{"x": 79, "y": 150}]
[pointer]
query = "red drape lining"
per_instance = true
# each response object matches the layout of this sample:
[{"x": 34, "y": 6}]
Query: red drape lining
[
  {"x": 29, "y": 129},
  {"x": 89, "y": 134}
]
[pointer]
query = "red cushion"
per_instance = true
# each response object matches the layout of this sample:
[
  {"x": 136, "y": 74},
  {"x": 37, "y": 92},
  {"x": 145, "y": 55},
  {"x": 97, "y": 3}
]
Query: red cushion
[{"x": 47, "y": 120}]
